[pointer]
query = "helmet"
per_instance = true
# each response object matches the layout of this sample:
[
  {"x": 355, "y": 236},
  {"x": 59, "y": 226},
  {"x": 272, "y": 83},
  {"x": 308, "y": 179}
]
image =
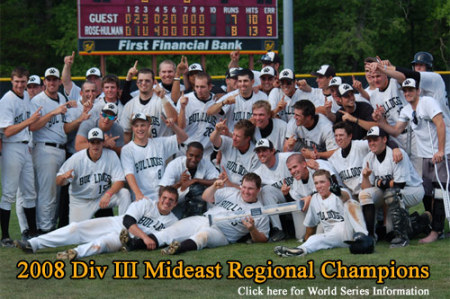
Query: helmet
[
  {"x": 425, "y": 58},
  {"x": 361, "y": 244}
]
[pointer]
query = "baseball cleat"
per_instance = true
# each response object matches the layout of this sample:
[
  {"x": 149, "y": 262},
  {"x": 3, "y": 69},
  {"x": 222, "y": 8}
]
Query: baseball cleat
[
  {"x": 277, "y": 235},
  {"x": 24, "y": 245},
  {"x": 67, "y": 255},
  {"x": 286, "y": 251},
  {"x": 398, "y": 242},
  {"x": 7, "y": 243},
  {"x": 124, "y": 239},
  {"x": 172, "y": 249}
]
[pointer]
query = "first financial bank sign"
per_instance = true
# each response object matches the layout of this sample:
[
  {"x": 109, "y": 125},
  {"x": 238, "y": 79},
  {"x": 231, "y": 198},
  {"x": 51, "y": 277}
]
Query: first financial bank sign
[{"x": 173, "y": 46}]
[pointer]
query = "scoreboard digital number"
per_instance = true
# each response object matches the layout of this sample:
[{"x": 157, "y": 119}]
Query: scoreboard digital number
[{"x": 176, "y": 26}]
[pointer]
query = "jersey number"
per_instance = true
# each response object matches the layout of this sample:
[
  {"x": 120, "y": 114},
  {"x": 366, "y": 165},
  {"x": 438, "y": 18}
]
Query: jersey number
[{"x": 208, "y": 132}]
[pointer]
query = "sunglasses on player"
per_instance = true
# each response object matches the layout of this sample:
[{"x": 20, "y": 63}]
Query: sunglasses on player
[{"x": 110, "y": 117}]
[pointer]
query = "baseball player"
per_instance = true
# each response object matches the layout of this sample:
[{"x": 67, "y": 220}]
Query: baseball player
[
  {"x": 312, "y": 131},
  {"x": 191, "y": 174},
  {"x": 49, "y": 138},
  {"x": 34, "y": 86},
  {"x": 336, "y": 211},
  {"x": 170, "y": 80},
  {"x": 192, "y": 112},
  {"x": 110, "y": 88},
  {"x": 383, "y": 180},
  {"x": 17, "y": 165},
  {"x": 433, "y": 145},
  {"x": 151, "y": 101},
  {"x": 195, "y": 233},
  {"x": 101, "y": 235},
  {"x": 273, "y": 129},
  {"x": 282, "y": 99},
  {"x": 145, "y": 157},
  {"x": 71, "y": 90},
  {"x": 114, "y": 137},
  {"x": 239, "y": 106},
  {"x": 267, "y": 77},
  {"x": 96, "y": 180}
]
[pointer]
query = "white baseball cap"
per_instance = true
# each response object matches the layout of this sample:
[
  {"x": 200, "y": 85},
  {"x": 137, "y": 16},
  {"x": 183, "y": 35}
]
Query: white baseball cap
[
  {"x": 270, "y": 57},
  {"x": 34, "y": 79},
  {"x": 93, "y": 71},
  {"x": 195, "y": 67},
  {"x": 335, "y": 81},
  {"x": 267, "y": 71},
  {"x": 52, "y": 72},
  {"x": 264, "y": 143},
  {"x": 409, "y": 82},
  {"x": 95, "y": 134},
  {"x": 325, "y": 70},
  {"x": 344, "y": 88},
  {"x": 376, "y": 131},
  {"x": 139, "y": 116},
  {"x": 110, "y": 107},
  {"x": 287, "y": 74}
]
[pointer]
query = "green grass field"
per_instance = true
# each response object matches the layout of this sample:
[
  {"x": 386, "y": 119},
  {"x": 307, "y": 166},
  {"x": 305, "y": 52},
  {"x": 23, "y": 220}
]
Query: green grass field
[{"x": 435, "y": 255}]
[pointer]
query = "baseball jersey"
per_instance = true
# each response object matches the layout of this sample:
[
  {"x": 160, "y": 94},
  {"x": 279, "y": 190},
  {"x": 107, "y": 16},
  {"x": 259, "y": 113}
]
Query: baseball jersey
[
  {"x": 91, "y": 179},
  {"x": 147, "y": 216},
  {"x": 302, "y": 188},
  {"x": 199, "y": 125},
  {"x": 99, "y": 103},
  {"x": 242, "y": 108},
  {"x": 321, "y": 135},
  {"x": 237, "y": 164},
  {"x": 277, "y": 135},
  {"x": 276, "y": 175},
  {"x": 350, "y": 167},
  {"x": 153, "y": 108},
  {"x": 426, "y": 109},
  {"x": 391, "y": 99},
  {"x": 432, "y": 85},
  {"x": 90, "y": 123},
  {"x": 169, "y": 92},
  {"x": 172, "y": 174},
  {"x": 327, "y": 212},
  {"x": 53, "y": 131},
  {"x": 13, "y": 111},
  {"x": 318, "y": 98},
  {"x": 401, "y": 172},
  {"x": 227, "y": 201},
  {"x": 147, "y": 163},
  {"x": 287, "y": 113}
]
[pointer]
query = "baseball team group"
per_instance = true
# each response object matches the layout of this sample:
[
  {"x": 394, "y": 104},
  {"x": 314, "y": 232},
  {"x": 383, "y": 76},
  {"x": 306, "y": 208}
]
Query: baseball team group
[{"x": 186, "y": 161}]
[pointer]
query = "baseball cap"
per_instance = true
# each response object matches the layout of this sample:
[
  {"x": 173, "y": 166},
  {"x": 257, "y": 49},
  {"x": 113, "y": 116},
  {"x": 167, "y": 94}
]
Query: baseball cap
[
  {"x": 195, "y": 67},
  {"x": 267, "y": 71},
  {"x": 95, "y": 134},
  {"x": 233, "y": 72},
  {"x": 34, "y": 79},
  {"x": 93, "y": 71},
  {"x": 110, "y": 107},
  {"x": 409, "y": 82},
  {"x": 264, "y": 143},
  {"x": 139, "y": 116},
  {"x": 325, "y": 70},
  {"x": 52, "y": 72},
  {"x": 376, "y": 131},
  {"x": 270, "y": 57},
  {"x": 287, "y": 74},
  {"x": 335, "y": 81},
  {"x": 344, "y": 88}
]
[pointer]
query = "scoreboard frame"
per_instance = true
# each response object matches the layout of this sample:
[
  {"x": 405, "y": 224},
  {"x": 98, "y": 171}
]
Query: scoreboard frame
[{"x": 117, "y": 30}]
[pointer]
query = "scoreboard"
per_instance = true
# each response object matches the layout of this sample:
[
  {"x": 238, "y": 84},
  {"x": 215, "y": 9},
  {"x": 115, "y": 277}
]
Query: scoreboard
[{"x": 176, "y": 26}]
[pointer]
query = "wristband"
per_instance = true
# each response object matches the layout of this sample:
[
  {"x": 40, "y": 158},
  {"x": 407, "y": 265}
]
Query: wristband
[
  {"x": 356, "y": 122},
  {"x": 109, "y": 193},
  {"x": 176, "y": 79},
  {"x": 385, "y": 67}
]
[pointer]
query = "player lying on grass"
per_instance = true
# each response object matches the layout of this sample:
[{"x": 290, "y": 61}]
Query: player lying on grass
[
  {"x": 340, "y": 216},
  {"x": 195, "y": 233},
  {"x": 101, "y": 235}
]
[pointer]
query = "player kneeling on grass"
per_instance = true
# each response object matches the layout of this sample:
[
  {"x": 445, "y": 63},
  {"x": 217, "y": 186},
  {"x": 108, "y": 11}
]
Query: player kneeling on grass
[
  {"x": 340, "y": 216},
  {"x": 101, "y": 235},
  {"x": 195, "y": 233},
  {"x": 96, "y": 180}
]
